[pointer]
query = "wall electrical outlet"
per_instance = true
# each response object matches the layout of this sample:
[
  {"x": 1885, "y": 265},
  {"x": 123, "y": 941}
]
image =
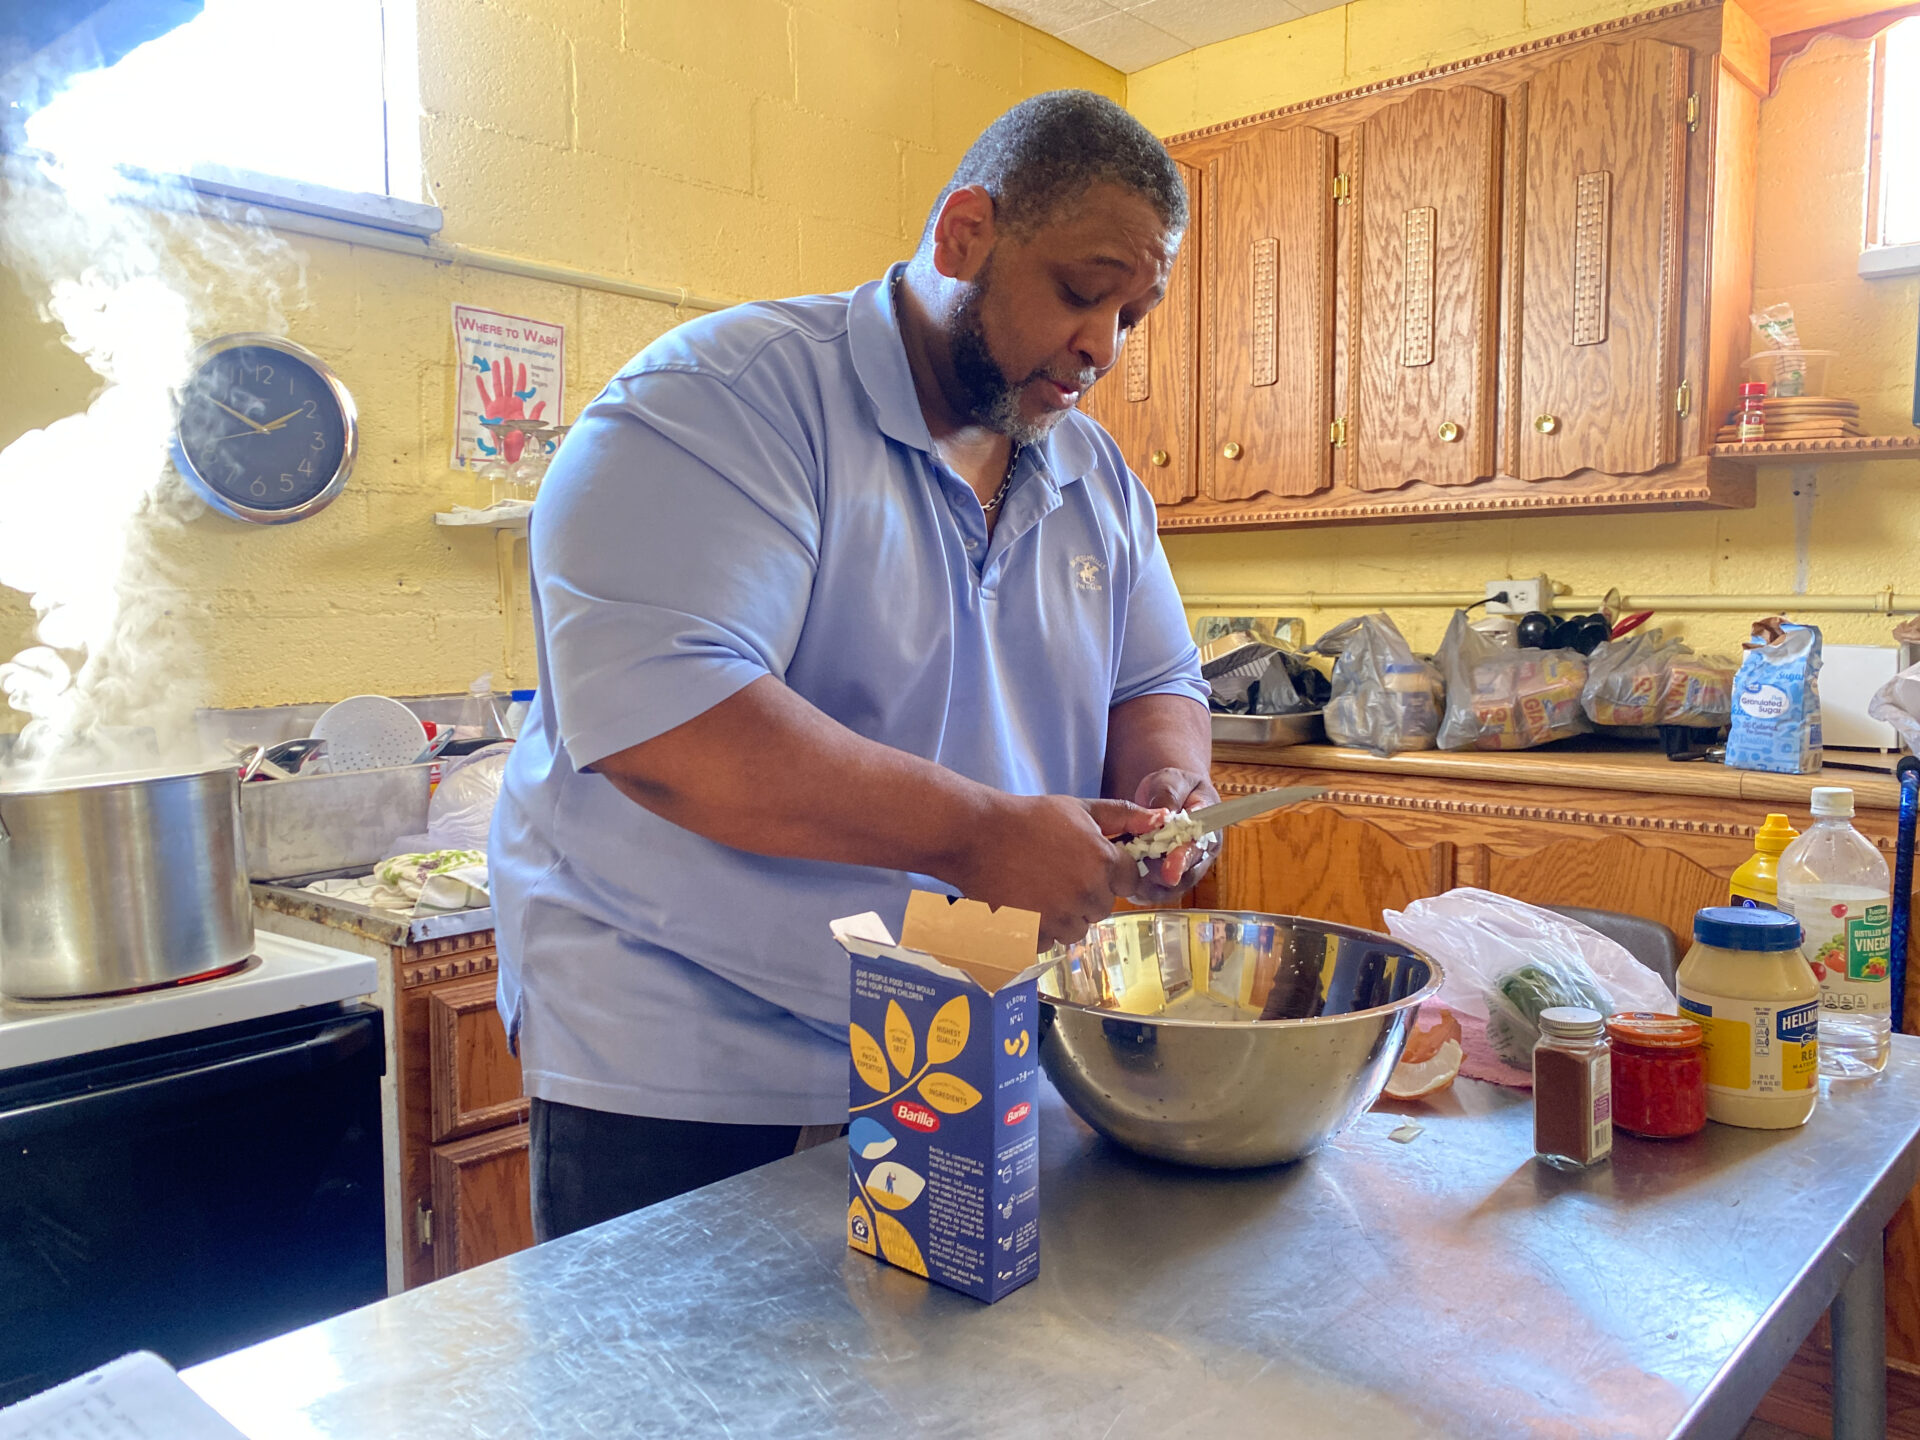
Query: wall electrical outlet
[{"x": 1534, "y": 593}]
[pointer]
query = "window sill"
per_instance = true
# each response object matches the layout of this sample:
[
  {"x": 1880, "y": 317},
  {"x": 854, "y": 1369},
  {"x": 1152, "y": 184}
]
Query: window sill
[
  {"x": 269, "y": 192},
  {"x": 1884, "y": 261}
]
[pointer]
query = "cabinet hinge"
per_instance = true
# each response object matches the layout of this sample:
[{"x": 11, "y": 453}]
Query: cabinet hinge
[
  {"x": 1683, "y": 398},
  {"x": 1342, "y": 188},
  {"x": 1337, "y": 432},
  {"x": 423, "y": 1226},
  {"x": 1693, "y": 112}
]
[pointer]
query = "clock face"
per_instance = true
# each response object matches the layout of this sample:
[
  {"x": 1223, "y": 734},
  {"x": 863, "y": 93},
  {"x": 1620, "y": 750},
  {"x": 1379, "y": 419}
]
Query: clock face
[{"x": 265, "y": 432}]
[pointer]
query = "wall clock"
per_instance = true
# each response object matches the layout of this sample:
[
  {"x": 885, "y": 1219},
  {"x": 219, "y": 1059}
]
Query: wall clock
[{"x": 264, "y": 430}]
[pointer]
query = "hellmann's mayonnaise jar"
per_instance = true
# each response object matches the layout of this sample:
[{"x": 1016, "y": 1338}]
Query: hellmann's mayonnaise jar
[{"x": 1749, "y": 985}]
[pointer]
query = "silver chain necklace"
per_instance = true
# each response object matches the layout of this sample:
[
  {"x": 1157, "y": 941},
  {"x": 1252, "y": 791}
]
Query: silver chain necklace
[{"x": 1013, "y": 451}]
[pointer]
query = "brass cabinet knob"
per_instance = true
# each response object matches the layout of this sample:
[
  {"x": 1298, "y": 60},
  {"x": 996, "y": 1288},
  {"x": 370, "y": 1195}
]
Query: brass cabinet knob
[
  {"x": 1546, "y": 424},
  {"x": 1449, "y": 431},
  {"x": 1231, "y": 450},
  {"x": 1158, "y": 457}
]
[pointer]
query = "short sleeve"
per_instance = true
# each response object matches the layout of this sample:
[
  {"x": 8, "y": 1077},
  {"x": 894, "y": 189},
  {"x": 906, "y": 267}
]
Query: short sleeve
[
  {"x": 1157, "y": 653},
  {"x": 673, "y": 550}
]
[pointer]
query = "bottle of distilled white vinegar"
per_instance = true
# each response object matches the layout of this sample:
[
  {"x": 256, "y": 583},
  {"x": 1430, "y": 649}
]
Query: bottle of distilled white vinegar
[{"x": 1835, "y": 883}]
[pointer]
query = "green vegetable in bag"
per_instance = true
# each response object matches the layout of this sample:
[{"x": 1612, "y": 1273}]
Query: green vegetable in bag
[{"x": 1513, "y": 1027}]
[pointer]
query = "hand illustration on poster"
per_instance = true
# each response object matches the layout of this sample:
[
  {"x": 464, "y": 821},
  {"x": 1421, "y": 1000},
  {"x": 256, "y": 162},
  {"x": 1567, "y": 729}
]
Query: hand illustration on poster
[{"x": 511, "y": 368}]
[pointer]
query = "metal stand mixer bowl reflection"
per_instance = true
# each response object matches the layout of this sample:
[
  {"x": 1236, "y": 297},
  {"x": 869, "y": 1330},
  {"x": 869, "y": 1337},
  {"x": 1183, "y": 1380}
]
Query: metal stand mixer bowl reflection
[{"x": 1227, "y": 1039}]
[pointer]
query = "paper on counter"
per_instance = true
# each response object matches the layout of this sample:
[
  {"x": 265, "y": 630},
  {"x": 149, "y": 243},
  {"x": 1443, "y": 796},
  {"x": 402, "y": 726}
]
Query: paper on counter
[{"x": 137, "y": 1397}]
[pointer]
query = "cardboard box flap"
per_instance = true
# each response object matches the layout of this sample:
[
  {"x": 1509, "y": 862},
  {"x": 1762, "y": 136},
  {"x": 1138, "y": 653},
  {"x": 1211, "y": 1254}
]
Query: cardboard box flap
[{"x": 995, "y": 947}]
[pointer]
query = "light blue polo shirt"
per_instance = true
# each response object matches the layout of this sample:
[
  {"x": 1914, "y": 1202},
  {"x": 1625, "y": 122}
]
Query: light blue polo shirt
[{"x": 756, "y": 494}]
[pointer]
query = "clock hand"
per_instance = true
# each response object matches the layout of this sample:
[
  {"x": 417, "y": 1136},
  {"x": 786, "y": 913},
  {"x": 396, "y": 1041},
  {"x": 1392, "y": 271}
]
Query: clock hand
[
  {"x": 258, "y": 428},
  {"x": 276, "y": 424},
  {"x": 237, "y": 435}
]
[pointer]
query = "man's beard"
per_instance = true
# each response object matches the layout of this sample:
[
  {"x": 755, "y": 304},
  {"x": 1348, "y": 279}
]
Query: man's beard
[{"x": 991, "y": 399}]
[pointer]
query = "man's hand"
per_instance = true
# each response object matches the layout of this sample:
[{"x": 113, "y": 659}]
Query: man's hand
[
  {"x": 1051, "y": 854},
  {"x": 1175, "y": 872}
]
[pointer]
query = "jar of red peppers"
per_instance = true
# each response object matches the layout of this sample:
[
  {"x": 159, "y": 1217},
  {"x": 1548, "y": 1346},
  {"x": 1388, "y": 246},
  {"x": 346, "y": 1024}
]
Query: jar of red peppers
[{"x": 1659, "y": 1074}]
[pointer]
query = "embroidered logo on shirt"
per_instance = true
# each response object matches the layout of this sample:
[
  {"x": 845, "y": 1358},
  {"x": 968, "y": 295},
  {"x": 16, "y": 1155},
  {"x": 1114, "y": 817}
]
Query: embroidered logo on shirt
[{"x": 1086, "y": 572}]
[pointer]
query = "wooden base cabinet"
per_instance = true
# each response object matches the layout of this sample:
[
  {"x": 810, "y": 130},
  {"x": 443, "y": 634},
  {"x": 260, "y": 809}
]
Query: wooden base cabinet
[
  {"x": 463, "y": 1135},
  {"x": 1518, "y": 283},
  {"x": 1377, "y": 842}
]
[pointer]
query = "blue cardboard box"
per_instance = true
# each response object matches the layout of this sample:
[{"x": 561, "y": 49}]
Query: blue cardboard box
[{"x": 944, "y": 1135}]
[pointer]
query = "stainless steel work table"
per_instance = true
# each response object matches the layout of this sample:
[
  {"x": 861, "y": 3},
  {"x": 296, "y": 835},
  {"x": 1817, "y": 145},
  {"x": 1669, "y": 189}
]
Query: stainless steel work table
[{"x": 1446, "y": 1285}]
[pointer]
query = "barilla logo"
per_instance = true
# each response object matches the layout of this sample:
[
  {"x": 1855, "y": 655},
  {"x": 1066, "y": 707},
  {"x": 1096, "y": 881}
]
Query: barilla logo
[
  {"x": 1018, "y": 1113},
  {"x": 916, "y": 1117}
]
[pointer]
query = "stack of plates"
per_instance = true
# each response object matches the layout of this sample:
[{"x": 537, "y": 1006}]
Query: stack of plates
[{"x": 1803, "y": 417}]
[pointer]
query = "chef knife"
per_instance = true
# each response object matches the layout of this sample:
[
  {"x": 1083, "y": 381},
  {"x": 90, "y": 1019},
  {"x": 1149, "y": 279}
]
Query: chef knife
[{"x": 1230, "y": 812}]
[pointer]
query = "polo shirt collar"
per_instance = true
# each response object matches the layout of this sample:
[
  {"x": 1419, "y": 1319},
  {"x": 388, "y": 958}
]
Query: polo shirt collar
[{"x": 880, "y": 360}]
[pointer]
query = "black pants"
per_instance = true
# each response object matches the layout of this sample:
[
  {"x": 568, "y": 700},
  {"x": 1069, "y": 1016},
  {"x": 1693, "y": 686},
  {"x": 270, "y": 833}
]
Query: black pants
[{"x": 591, "y": 1165}]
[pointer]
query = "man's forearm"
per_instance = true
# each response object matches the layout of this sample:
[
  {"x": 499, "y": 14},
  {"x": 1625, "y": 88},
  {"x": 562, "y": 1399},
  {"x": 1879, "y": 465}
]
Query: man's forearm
[
  {"x": 765, "y": 771},
  {"x": 1153, "y": 733}
]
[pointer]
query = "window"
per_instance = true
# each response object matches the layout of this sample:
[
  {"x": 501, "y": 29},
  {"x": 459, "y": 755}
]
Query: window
[
  {"x": 306, "y": 106},
  {"x": 1893, "y": 213}
]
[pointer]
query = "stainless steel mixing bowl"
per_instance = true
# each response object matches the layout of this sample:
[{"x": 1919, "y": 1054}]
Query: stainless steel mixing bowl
[{"x": 1227, "y": 1039}]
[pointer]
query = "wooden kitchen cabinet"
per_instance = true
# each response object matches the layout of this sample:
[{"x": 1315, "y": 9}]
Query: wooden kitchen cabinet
[
  {"x": 464, "y": 1194},
  {"x": 1513, "y": 284},
  {"x": 1426, "y": 291},
  {"x": 1267, "y": 261},
  {"x": 1599, "y": 298},
  {"x": 1147, "y": 402},
  {"x": 480, "y": 1200}
]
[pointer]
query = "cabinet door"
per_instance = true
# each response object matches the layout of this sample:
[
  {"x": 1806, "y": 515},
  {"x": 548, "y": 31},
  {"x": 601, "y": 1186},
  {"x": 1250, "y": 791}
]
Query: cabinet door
[
  {"x": 1599, "y": 294},
  {"x": 1607, "y": 872},
  {"x": 475, "y": 1077},
  {"x": 1427, "y": 291},
  {"x": 1146, "y": 400},
  {"x": 1316, "y": 861},
  {"x": 1268, "y": 260},
  {"x": 482, "y": 1208}
]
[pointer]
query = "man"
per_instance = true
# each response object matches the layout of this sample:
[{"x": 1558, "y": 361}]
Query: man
[{"x": 837, "y": 597}]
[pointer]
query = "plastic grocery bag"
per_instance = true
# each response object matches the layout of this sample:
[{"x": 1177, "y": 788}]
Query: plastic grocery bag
[
  {"x": 1385, "y": 698},
  {"x": 1506, "y": 961},
  {"x": 1627, "y": 678},
  {"x": 1647, "y": 679},
  {"x": 1699, "y": 691},
  {"x": 1776, "y": 702},
  {"x": 1507, "y": 699},
  {"x": 1897, "y": 703}
]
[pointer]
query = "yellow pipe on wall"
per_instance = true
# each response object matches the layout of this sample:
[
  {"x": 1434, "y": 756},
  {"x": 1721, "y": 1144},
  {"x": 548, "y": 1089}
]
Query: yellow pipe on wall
[{"x": 1883, "y": 603}]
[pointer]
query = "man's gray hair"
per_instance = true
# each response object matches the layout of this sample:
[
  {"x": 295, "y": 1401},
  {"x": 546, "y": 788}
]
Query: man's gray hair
[{"x": 1047, "y": 152}]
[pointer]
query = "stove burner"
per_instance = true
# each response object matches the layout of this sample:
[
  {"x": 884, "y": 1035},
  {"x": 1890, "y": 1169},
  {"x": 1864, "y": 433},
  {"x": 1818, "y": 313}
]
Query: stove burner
[{"x": 239, "y": 967}]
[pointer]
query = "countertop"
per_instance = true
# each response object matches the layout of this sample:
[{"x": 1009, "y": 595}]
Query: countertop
[
  {"x": 1583, "y": 764},
  {"x": 1444, "y": 1286},
  {"x": 382, "y": 925}
]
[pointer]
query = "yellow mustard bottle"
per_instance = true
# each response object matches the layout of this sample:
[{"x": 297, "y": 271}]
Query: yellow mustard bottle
[
  {"x": 1747, "y": 981},
  {"x": 1756, "y": 883}
]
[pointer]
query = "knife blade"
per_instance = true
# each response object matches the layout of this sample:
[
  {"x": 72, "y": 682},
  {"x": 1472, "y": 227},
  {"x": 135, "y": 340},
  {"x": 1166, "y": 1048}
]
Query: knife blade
[{"x": 1229, "y": 812}]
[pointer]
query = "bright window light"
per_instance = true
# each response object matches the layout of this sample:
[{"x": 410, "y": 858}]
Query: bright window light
[
  {"x": 1900, "y": 136},
  {"x": 281, "y": 88}
]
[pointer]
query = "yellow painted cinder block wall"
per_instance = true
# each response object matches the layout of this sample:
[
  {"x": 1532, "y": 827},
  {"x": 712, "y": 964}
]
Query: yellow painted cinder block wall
[
  {"x": 1865, "y": 522},
  {"x": 737, "y": 148}
]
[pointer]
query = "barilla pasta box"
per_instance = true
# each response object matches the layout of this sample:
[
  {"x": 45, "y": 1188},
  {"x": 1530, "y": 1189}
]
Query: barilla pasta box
[{"x": 944, "y": 1130}]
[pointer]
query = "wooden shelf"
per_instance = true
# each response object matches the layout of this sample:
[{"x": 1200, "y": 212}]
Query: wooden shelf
[{"x": 1854, "y": 447}]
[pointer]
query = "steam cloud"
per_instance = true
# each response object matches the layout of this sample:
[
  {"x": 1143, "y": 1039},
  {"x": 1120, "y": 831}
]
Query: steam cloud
[{"x": 87, "y": 503}]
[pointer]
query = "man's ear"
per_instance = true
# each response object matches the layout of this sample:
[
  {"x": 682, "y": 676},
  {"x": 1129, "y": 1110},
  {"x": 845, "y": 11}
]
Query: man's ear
[{"x": 963, "y": 235}]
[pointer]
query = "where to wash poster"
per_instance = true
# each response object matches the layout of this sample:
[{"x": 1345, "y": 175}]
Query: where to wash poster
[{"x": 511, "y": 368}]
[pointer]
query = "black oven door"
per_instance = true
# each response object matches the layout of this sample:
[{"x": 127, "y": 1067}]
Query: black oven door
[{"x": 189, "y": 1196}]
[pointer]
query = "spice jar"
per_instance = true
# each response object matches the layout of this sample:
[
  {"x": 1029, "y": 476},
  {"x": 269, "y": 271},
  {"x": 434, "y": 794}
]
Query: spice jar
[
  {"x": 1572, "y": 1088},
  {"x": 1659, "y": 1074},
  {"x": 1753, "y": 411}
]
